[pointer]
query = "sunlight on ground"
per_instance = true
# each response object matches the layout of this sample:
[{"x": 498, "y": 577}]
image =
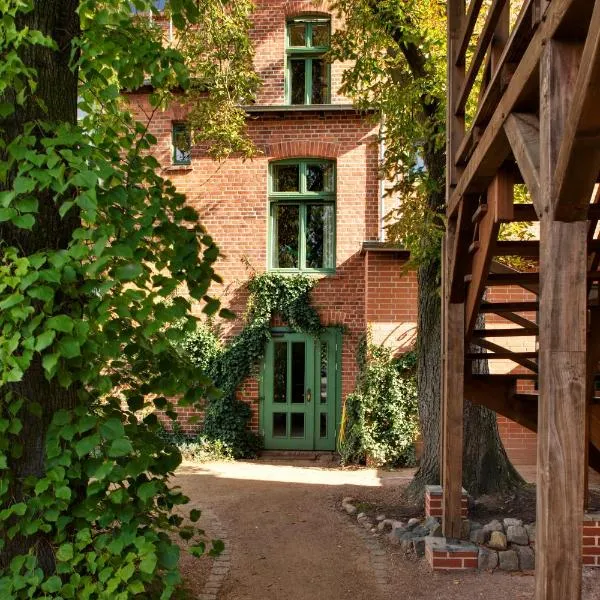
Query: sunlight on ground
[{"x": 317, "y": 475}]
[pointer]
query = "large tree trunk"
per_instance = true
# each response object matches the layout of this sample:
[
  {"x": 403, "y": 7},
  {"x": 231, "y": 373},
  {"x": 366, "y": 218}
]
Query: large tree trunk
[
  {"x": 486, "y": 467},
  {"x": 57, "y": 92}
]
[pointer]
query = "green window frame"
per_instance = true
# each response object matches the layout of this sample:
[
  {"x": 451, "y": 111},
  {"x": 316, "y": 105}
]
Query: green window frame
[
  {"x": 302, "y": 216},
  {"x": 181, "y": 141},
  {"x": 308, "y": 75}
]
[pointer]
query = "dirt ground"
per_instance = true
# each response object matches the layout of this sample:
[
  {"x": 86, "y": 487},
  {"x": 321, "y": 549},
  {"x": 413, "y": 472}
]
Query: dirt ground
[{"x": 289, "y": 540}]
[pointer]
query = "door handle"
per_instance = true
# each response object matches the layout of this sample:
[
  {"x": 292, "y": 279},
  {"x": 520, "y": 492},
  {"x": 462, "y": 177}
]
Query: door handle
[{"x": 308, "y": 395}]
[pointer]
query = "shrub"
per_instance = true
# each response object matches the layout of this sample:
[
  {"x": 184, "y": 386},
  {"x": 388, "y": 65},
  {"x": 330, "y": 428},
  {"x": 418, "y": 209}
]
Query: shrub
[{"x": 380, "y": 419}]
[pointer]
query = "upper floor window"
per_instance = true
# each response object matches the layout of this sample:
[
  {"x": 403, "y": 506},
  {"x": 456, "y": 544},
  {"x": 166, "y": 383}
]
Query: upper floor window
[
  {"x": 308, "y": 74},
  {"x": 182, "y": 144},
  {"x": 302, "y": 215}
]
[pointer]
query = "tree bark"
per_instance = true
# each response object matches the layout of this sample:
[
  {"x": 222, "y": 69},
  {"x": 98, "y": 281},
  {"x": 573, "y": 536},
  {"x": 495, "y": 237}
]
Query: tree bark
[{"x": 54, "y": 101}]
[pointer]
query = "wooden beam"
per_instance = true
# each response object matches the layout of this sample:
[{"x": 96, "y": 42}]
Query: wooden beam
[
  {"x": 493, "y": 147},
  {"x": 500, "y": 352},
  {"x": 579, "y": 157},
  {"x": 523, "y": 133},
  {"x": 562, "y": 354},
  {"x": 505, "y": 332},
  {"x": 485, "y": 38},
  {"x": 519, "y": 39},
  {"x": 453, "y": 362},
  {"x": 522, "y": 248},
  {"x": 508, "y": 307},
  {"x": 455, "y": 124},
  {"x": 467, "y": 32},
  {"x": 500, "y": 203}
]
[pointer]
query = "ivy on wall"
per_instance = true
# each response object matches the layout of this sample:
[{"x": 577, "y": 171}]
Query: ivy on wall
[
  {"x": 226, "y": 418},
  {"x": 380, "y": 418}
]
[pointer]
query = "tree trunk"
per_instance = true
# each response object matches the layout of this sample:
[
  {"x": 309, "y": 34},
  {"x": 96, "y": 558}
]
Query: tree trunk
[
  {"x": 54, "y": 101},
  {"x": 486, "y": 467}
]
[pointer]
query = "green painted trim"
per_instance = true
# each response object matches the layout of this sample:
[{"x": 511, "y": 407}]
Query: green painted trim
[
  {"x": 308, "y": 53},
  {"x": 312, "y": 412},
  {"x": 301, "y": 198},
  {"x": 176, "y": 129}
]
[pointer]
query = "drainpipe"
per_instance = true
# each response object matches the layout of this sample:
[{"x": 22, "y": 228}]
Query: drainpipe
[{"x": 381, "y": 181}]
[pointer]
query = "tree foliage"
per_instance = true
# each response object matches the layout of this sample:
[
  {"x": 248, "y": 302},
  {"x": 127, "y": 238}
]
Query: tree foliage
[{"x": 94, "y": 249}]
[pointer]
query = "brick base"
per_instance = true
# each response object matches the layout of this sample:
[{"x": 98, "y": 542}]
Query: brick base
[
  {"x": 433, "y": 501},
  {"x": 456, "y": 556},
  {"x": 591, "y": 540}
]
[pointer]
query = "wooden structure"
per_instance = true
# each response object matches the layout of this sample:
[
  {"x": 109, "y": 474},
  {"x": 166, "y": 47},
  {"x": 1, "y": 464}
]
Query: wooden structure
[{"x": 524, "y": 107}]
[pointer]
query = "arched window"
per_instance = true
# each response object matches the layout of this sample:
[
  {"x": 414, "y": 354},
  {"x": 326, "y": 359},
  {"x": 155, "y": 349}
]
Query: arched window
[
  {"x": 302, "y": 215},
  {"x": 308, "y": 74}
]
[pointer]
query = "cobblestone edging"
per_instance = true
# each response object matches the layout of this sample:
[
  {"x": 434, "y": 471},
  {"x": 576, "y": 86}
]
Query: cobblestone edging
[
  {"x": 222, "y": 563},
  {"x": 379, "y": 562}
]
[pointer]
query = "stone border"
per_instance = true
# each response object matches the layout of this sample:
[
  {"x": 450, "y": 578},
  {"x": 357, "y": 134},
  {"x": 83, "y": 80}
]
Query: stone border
[
  {"x": 222, "y": 563},
  {"x": 377, "y": 554}
]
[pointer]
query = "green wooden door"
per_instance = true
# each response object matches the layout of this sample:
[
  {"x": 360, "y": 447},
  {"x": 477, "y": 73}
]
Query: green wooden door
[{"x": 300, "y": 392}]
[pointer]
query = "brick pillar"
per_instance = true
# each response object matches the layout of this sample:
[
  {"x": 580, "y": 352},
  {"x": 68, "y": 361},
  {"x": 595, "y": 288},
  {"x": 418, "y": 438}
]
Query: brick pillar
[
  {"x": 433, "y": 502},
  {"x": 591, "y": 540},
  {"x": 455, "y": 556}
]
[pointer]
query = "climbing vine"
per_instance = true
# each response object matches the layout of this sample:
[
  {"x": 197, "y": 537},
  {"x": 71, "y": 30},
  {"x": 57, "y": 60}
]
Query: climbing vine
[
  {"x": 380, "y": 418},
  {"x": 226, "y": 417}
]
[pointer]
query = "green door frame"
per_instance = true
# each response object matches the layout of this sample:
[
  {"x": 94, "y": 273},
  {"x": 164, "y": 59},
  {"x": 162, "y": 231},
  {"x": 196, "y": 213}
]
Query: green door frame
[{"x": 323, "y": 411}]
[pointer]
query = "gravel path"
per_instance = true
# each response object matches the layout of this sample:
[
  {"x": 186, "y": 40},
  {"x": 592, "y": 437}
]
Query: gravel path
[{"x": 288, "y": 540}]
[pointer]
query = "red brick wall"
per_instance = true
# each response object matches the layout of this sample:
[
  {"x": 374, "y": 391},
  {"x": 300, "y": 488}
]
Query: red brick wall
[
  {"x": 269, "y": 41},
  {"x": 391, "y": 301}
]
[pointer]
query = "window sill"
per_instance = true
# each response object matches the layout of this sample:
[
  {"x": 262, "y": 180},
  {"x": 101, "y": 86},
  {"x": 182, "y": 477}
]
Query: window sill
[
  {"x": 178, "y": 168},
  {"x": 310, "y": 272}
]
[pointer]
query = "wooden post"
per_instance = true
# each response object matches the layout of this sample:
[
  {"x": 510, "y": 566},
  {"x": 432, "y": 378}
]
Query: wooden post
[
  {"x": 452, "y": 313},
  {"x": 453, "y": 354},
  {"x": 562, "y": 355}
]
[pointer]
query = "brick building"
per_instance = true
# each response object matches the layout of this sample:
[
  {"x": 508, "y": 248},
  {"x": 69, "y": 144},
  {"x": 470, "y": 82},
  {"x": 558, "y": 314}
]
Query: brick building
[{"x": 310, "y": 203}]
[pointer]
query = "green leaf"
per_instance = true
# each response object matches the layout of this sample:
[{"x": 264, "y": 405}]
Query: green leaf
[
  {"x": 6, "y": 214},
  {"x": 28, "y": 204},
  {"x": 49, "y": 362},
  {"x": 23, "y": 185},
  {"x": 65, "y": 552},
  {"x": 87, "y": 444},
  {"x": 63, "y": 493},
  {"x": 195, "y": 515},
  {"x": 69, "y": 347},
  {"x": 11, "y": 301},
  {"x": 23, "y": 221},
  {"x": 62, "y": 323},
  {"x": 128, "y": 272},
  {"x": 120, "y": 447},
  {"x": 148, "y": 564},
  {"x": 44, "y": 340},
  {"x": 147, "y": 490},
  {"x": 112, "y": 429},
  {"x": 53, "y": 584}
]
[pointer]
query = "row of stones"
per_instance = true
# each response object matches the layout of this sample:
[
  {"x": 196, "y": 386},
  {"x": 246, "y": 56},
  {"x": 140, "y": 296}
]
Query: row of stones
[
  {"x": 504, "y": 545},
  {"x": 222, "y": 563}
]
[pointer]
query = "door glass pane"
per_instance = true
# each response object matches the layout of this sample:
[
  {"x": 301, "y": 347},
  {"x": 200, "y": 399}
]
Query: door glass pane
[
  {"x": 319, "y": 178},
  {"x": 320, "y": 35},
  {"x": 323, "y": 380},
  {"x": 320, "y": 83},
  {"x": 297, "y": 34},
  {"x": 298, "y": 372},
  {"x": 323, "y": 425},
  {"x": 319, "y": 236},
  {"x": 298, "y": 81},
  {"x": 297, "y": 429},
  {"x": 279, "y": 372},
  {"x": 285, "y": 236},
  {"x": 286, "y": 178},
  {"x": 279, "y": 424}
]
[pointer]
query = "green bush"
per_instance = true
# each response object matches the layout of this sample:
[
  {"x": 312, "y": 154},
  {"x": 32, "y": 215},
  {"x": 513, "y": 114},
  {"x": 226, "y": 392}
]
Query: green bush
[
  {"x": 195, "y": 448},
  {"x": 380, "y": 419}
]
